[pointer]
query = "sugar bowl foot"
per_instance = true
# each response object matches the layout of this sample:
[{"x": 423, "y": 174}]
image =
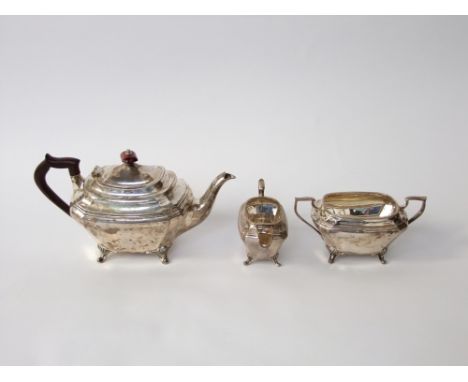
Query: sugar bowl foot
[
  {"x": 103, "y": 254},
  {"x": 332, "y": 257},
  {"x": 334, "y": 253}
]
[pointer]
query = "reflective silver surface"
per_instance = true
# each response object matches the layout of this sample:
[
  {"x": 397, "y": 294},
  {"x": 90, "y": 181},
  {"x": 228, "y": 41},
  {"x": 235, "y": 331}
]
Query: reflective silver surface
[
  {"x": 132, "y": 208},
  {"x": 262, "y": 226},
  {"x": 359, "y": 223}
]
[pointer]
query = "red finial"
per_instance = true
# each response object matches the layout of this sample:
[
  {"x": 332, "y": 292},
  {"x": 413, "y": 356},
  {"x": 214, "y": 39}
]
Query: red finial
[{"x": 129, "y": 157}]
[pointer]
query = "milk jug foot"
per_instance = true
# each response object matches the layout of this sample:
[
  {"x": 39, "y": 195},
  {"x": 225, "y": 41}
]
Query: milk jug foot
[
  {"x": 332, "y": 257},
  {"x": 275, "y": 260},
  {"x": 248, "y": 261}
]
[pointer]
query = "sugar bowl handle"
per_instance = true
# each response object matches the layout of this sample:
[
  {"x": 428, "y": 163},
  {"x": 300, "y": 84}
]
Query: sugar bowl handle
[
  {"x": 421, "y": 199},
  {"x": 73, "y": 166},
  {"x": 312, "y": 202}
]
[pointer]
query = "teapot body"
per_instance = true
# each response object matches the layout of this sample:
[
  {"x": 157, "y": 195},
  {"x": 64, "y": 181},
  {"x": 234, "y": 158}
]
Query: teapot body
[
  {"x": 130, "y": 208},
  {"x": 133, "y": 234}
]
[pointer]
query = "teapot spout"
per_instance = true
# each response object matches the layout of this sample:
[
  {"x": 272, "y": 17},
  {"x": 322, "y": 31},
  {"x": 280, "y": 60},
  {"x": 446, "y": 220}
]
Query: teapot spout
[{"x": 202, "y": 208}]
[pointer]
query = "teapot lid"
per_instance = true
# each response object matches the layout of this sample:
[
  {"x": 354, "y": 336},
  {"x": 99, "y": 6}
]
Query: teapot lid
[
  {"x": 130, "y": 191},
  {"x": 129, "y": 176}
]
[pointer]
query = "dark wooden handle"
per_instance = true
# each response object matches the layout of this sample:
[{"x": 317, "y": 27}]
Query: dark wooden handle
[{"x": 73, "y": 166}]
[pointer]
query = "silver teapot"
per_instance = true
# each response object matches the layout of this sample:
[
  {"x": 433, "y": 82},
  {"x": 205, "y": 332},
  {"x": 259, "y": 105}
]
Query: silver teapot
[
  {"x": 263, "y": 226},
  {"x": 130, "y": 208}
]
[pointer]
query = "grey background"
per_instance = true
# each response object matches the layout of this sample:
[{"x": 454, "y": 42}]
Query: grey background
[{"x": 313, "y": 105}]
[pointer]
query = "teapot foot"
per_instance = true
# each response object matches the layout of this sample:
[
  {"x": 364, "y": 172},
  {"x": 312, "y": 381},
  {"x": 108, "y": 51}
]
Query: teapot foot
[
  {"x": 381, "y": 256},
  {"x": 333, "y": 254},
  {"x": 162, "y": 253},
  {"x": 275, "y": 260},
  {"x": 104, "y": 253}
]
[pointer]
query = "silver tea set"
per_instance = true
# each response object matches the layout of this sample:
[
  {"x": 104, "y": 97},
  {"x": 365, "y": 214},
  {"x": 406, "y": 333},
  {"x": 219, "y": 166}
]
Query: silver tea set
[{"x": 133, "y": 208}]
